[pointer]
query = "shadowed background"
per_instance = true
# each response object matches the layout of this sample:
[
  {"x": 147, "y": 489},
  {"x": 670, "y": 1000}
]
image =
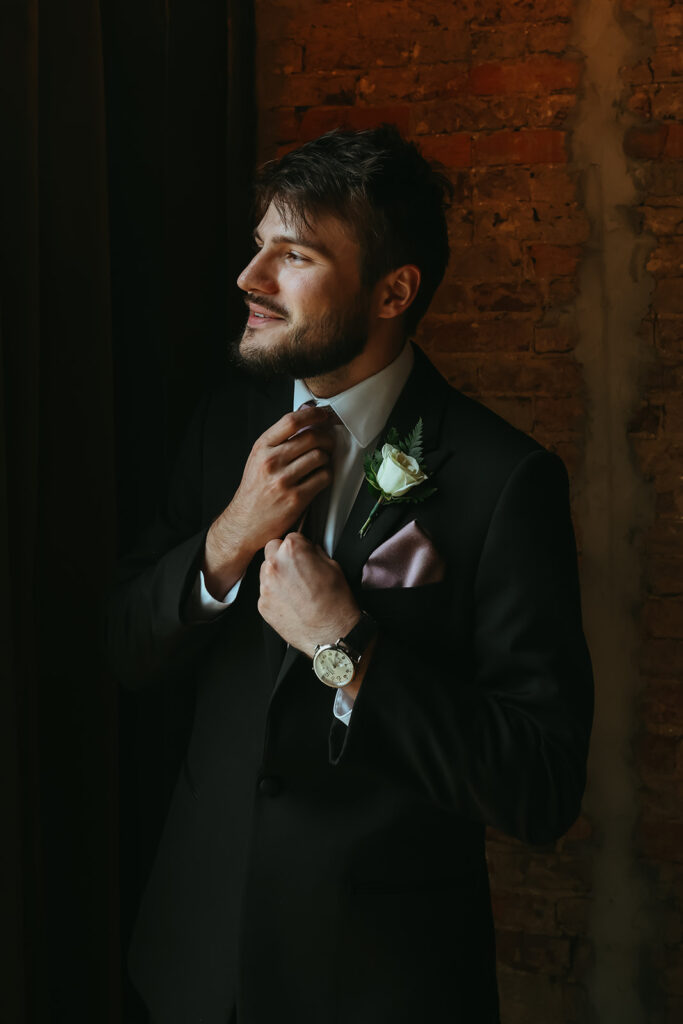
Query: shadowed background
[{"x": 129, "y": 132}]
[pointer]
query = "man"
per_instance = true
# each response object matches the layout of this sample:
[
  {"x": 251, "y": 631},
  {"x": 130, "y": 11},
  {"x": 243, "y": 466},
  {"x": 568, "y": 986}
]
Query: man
[{"x": 323, "y": 857}]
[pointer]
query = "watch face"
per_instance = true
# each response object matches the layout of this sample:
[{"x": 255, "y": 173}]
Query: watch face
[{"x": 333, "y": 667}]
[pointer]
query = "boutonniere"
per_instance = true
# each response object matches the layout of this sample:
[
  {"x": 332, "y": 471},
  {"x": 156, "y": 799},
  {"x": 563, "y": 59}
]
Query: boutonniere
[{"x": 394, "y": 470}]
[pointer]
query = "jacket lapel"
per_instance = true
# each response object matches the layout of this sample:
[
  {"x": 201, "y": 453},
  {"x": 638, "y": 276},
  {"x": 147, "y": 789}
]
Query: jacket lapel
[{"x": 425, "y": 395}]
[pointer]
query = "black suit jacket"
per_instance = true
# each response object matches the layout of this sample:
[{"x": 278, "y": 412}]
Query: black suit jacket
[{"x": 318, "y": 873}]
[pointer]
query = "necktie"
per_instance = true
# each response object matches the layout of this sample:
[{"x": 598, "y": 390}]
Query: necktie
[{"x": 315, "y": 517}]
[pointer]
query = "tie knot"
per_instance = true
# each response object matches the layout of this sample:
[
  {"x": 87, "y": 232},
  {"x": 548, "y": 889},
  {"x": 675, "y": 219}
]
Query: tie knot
[{"x": 313, "y": 404}]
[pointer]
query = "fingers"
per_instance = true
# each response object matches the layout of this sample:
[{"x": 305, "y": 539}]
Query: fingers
[
  {"x": 292, "y": 422},
  {"x": 305, "y": 465},
  {"x": 305, "y": 440},
  {"x": 312, "y": 485},
  {"x": 272, "y": 548}
]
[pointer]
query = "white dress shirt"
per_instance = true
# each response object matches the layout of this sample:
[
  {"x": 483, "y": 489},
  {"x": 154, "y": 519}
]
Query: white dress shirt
[{"x": 363, "y": 411}]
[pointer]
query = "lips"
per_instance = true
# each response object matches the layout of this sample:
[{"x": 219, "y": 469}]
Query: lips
[{"x": 260, "y": 317}]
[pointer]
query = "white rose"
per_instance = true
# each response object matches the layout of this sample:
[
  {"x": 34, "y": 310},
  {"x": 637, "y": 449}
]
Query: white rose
[{"x": 398, "y": 472}]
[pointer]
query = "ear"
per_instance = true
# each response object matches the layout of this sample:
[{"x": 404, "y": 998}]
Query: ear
[{"x": 397, "y": 291}]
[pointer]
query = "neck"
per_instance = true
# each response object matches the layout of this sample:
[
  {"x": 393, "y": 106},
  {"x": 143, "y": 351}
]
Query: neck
[{"x": 367, "y": 364}]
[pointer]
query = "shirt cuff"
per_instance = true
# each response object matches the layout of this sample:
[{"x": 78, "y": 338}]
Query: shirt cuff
[
  {"x": 203, "y": 605},
  {"x": 343, "y": 706}
]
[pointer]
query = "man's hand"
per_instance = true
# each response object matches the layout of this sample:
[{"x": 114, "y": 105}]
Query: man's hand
[
  {"x": 304, "y": 594},
  {"x": 287, "y": 467}
]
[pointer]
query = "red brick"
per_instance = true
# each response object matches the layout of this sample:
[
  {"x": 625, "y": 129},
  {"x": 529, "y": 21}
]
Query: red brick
[
  {"x": 286, "y": 124},
  {"x": 319, "y": 120},
  {"x": 504, "y": 12},
  {"x": 663, "y": 617},
  {"x": 560, "y": 415},
  {"x": 573, "y": 914},
  {"x": 487, "y": 261},
  {"x": 673, "y": 415},
  {"x": 282, "y": 55},
  {"x": 663, "y": 220},
  {"x": 387, "y": 85},
  {"x": 665, "y": 539},
  {"x": 646, "y": 143},
  {"x": 668, "y": 25},
  {"x": 560, "y": 224},
  {"x": 558, "y": 872},
  {"x": 640, "y": 104},
  {"x": 674, "y": 142},
  {"x": 667, "y": 63},
  {"x": 478, "y": 113},
  {"x": 501, "y": 183},
  {"x": 505, "y": 334},
  {"x": 646, "y": 420},
  {"x": 327, "y": 49},
  {"x": 452, "y": 296},
  {"x": 513, "y": 298},
  {"x": 549, "y": 37},
  {"x": 526, "y": 911},
  {"x": 309, "y": 90},
  {"x": 562, "y": 291},
  {"x": 656, "y": 754},
  {"x": 667, "y": 101},
  {"x": 668, "y": 297},
  {"x": 661, "y": 706},
  {"x": 524, "y": 147},
  {"x": 490, "y": 43},
  {"x": 666, "y": 259},
  {"x": 548, "y": 954},
  {"x": 546, "y": 375},
  {"x": 450, "y": 150},
  {"x": 554, "y": 339},
  {"x": 662, "y": 657},
  {"x": 460, "y": 227},
  {"x": 552, "y": 185},
  {"x": 669, "y": 335},
  {"x": 550, "y": 261},
  {"x": 663, "y": 179},
  {"x": 661, "y": 840},
  {"x": 537, "y": 74}
]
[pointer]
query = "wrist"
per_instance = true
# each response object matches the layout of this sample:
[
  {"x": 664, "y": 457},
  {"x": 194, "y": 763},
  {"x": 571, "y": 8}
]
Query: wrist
[{"x": 227, "y": 555}]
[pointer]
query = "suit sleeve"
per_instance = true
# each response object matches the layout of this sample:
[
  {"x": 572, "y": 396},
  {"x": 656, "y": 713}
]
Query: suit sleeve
[
  {"x": 149, "y": 631},
  {"x": 505, "y": 743}
]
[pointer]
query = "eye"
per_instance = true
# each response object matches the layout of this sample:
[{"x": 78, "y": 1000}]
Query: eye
[{"x": 296, "y": 257}]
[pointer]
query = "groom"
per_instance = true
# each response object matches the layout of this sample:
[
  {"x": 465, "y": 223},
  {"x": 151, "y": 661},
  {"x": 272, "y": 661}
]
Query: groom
[{"x": 368, "y": 697}]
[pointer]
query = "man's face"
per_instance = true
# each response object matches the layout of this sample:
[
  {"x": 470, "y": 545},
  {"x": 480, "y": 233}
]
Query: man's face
[{"x": 308, "y": 312}]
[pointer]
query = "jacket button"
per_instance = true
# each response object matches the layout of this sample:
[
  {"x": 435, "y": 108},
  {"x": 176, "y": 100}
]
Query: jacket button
[{"x": 270, "y": 785}]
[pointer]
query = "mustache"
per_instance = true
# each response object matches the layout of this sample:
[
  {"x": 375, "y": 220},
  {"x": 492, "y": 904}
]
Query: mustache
[{"x": 266, "y": 303}]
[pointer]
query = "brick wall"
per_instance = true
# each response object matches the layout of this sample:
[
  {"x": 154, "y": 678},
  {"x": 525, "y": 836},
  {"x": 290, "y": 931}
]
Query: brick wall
[
  {"x": 498, "y": 91},
  {"x": 654, "y": 144}
]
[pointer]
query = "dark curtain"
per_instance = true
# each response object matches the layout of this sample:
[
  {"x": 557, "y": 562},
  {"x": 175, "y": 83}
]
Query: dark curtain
[{"x": 126, "y": 149}]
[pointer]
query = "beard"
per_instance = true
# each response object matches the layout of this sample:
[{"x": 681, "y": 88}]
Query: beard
[{"x": 311, "y": 349}]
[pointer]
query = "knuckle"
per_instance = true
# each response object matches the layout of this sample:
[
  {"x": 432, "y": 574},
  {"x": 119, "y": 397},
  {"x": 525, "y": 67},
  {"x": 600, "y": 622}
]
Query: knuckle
[{"x": 290, "y": 422}]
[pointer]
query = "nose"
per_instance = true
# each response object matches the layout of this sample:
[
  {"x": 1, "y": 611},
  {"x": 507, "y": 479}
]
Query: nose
[{"x": 256, "y": 276}]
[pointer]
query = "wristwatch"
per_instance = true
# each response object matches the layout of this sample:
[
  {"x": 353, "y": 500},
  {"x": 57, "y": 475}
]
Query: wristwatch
[{"x": 335, "y": 664}]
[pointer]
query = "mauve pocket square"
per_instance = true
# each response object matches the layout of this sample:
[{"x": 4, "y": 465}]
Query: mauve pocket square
[{"x": 408, "y": 559}]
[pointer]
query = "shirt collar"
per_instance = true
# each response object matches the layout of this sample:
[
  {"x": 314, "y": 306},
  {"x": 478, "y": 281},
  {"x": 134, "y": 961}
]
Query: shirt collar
[{"x": 365, "y": 408}]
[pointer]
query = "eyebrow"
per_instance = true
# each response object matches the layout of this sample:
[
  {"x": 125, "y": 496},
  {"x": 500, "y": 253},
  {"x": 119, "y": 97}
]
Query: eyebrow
[{"x": 294, "y": 240}]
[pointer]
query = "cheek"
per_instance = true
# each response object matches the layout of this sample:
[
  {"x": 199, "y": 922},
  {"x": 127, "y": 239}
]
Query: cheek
[{"x": 312, "y": 296}]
